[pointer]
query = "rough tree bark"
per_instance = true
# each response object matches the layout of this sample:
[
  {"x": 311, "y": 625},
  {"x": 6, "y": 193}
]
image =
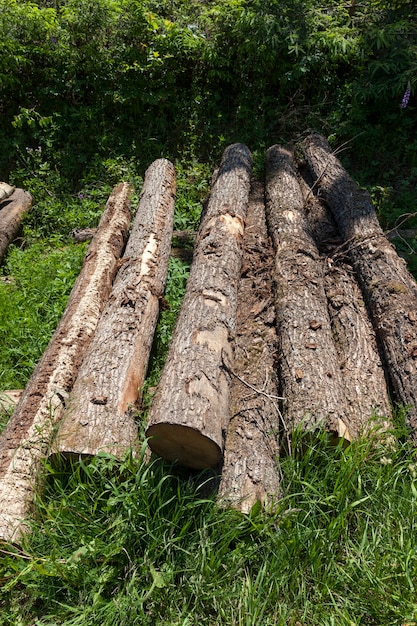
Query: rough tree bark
[
  {"x": 12, "y": 210},
  {"x": 100, "y": 413},
  {"x": 309, "y": 372},
  {"x": 250, "y": 472},
  {"x": 389, "y": 290},
  {"x": 27, "y": 436},
  {"x": 190, "y": 411},
  {"x": 360, "y": 363}
]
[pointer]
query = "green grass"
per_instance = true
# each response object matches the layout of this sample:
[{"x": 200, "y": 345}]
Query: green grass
[
  {"x": 137, "y": 543},
  {"x": 38, "y": 281}
]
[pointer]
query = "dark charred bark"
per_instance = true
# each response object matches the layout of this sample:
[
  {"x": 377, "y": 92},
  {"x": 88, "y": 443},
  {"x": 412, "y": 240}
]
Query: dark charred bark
[
  {"x": 308, "y": 364},
  {"x": 250, "y": 472},
  {"x": 389, "y": 290},
  {"x": 190, "y": 411}
]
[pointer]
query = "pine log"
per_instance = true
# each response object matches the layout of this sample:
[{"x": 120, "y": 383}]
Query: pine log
[
  {"x": 27, "y": 436},
  {"x": 307, "y": 361},
  {"x": 100, "y": 414},
  {"x": 12, "y": 210},
  {"x": 363, "y": 375},
  {"x": 250, "y": 472},
  {"x": 190, "y": 411},
  {"x": 389, "y": 290}
]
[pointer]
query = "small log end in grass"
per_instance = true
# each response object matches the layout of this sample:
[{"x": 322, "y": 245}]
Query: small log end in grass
[{"x": 12, "y": 209}]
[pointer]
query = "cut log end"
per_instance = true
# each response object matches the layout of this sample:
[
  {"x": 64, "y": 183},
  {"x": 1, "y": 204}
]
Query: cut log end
[{"x": 183, "y": 445}]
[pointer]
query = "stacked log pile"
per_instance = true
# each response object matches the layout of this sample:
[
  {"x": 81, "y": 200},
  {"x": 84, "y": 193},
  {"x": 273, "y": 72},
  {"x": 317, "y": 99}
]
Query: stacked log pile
[
  {"x": 389, "y": 290},
  {"x": 360, "y": 363},
  {"x": 310, "y": 376},
  {"x": 298, "y": 313},
  {"x": 329, "y": 366}
]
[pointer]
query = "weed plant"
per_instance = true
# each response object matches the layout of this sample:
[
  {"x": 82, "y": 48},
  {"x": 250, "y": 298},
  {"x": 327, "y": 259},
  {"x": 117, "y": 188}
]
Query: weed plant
[{"x": 141, "y": 543}]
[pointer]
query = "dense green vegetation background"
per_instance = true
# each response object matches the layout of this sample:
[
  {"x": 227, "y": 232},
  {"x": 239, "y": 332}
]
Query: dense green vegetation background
[{"x": 91, "y": 91}]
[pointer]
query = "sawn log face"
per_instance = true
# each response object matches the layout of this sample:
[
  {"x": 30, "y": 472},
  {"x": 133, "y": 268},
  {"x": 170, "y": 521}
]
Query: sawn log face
[
  {"x": 308, "y": 364},
  {"x": 27, "y": 436},
  {"x": 389, "y": 290},
  {"x": 100, "y": 416},
  {"x": 190, "y": 411}
]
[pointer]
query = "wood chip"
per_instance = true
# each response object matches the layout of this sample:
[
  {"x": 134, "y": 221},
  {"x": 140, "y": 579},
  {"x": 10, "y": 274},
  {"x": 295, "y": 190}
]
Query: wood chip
[
  {"x": 99, "y": 400},
  {"x": 298, "y": 374},
  {"x": 315, "y": 325}
]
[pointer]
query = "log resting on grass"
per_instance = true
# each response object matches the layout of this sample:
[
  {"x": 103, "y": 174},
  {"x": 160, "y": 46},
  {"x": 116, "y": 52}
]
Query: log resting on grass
[
  {"x": 250, "y": 472},
  {"x": 190, "y": 411},
  {"x": 27, "y": 436},
  {"x": 360, "y": 363},
  {"x": 100, "y": 413},
  {"x": 12, "y": 210},
  {"x": 309, "y": 372},
  {"x": 389, "y": 290}
]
